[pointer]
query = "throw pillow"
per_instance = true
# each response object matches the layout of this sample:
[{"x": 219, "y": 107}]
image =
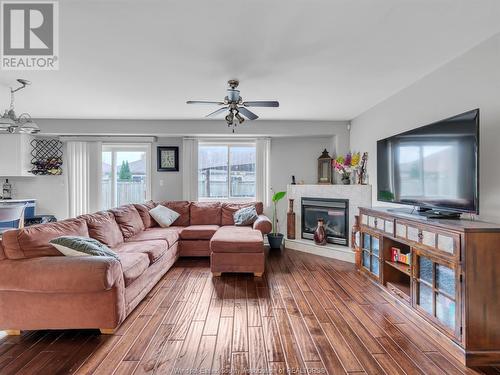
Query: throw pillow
[
  {"x": 245, "y": 216},
  {"x": 74, "y": 246},
  {"x": 163, "y": 215}
]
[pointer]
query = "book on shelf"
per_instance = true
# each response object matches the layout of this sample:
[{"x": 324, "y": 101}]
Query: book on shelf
[{"x": 398, "y": 256}]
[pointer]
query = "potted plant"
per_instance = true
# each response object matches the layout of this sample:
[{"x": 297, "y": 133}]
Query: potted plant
[{"x": 275, "y": 238}]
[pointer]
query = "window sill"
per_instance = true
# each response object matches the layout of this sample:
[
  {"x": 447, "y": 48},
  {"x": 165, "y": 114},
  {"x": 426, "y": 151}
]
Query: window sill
[{"x": 229, "y": 200}]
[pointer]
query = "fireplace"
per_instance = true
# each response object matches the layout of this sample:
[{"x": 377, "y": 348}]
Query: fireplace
[{"x": 334, "y": 212}]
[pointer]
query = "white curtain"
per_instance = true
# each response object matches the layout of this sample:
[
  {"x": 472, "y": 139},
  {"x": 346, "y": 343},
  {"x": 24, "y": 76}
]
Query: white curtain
[
  {"x": 83, "y": 173},
  {"x": 189, "y": 166},
  {"x": 262, "y": 169}
]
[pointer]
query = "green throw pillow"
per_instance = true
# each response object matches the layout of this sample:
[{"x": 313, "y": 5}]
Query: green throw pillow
[
  {"x": 245, "y": 216},
  {"x": 74, "y": 246}
]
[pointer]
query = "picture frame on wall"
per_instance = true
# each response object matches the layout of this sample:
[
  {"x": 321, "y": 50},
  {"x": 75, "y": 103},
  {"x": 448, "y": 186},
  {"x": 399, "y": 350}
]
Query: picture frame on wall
[{"x": 167, "y": 159}]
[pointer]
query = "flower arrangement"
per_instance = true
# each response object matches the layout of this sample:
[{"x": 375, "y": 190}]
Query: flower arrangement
[{"x": 346, "y": 165}]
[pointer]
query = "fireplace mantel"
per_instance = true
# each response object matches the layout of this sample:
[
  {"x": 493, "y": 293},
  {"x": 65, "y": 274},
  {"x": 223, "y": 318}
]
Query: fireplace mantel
[{"x": 358, "y": 196}]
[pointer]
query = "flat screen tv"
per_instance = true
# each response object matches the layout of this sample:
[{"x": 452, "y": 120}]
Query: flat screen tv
[{"x": 433, "y": 167}]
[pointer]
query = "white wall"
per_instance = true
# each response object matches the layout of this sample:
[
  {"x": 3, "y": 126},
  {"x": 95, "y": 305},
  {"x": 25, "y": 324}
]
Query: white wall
[
  {"x": 299, "y": 157},
  {"x": 166, "y": 185},
  {"x": 470, "y": 81},
  {"x": 295, "y": 146}
]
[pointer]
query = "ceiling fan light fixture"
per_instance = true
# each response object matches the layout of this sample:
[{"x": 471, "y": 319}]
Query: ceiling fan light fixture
[
  {"x": 22, "y": 123},
  {"x": 230, "y": 117},
  {"x": 239, "y": 118},
  {"x": 235, "y": 106},
  {"x": 6, "y": 122},
  {"x": 29, "y": 127}
]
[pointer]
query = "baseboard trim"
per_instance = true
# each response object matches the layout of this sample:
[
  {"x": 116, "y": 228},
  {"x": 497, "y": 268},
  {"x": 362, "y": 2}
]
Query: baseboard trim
[{"x": 482, "y": 358}]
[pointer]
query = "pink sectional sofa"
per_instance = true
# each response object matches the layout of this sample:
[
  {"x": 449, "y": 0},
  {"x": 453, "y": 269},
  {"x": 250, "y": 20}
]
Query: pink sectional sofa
[{"x": 41, "y": 289}]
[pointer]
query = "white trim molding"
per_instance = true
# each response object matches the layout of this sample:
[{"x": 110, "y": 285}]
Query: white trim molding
[
  {"x": 262, "y": 169},
  {"x": 190, "y": 169},
  {"x": 78, "y": 156}
]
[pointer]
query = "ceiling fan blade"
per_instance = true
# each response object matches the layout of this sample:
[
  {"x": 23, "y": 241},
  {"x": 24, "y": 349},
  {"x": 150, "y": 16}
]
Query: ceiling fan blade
[
  {"x": 215, "y": 113},
  {"x": 248, "y": 114},
  {"x": 262, "y": 103},
  {"x": 204, "y": 102}
]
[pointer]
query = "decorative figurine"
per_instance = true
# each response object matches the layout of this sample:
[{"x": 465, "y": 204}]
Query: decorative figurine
[{"x": 362, "y": 177}]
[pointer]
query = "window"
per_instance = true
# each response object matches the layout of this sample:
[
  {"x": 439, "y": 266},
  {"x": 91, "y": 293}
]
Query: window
[
  {"x": 125, "y": 174},
  {"x": 226, "y": 171}
]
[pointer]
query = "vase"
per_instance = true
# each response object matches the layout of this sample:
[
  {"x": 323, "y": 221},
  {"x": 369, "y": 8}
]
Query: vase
[
  {"x": 320, "y": 233},
  {"x": 346, "y": 179},
  {"x": 290, "y": 221}
]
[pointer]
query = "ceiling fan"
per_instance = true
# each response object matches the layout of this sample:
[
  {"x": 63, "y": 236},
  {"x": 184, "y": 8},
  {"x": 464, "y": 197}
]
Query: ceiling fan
[{"x": 235, "y": 106}]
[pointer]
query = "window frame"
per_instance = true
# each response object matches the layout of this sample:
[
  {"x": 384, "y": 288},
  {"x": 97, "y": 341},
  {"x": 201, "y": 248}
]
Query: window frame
[
  {"x": 229, "y": 144},
  {"x": 126, "y": 147}
]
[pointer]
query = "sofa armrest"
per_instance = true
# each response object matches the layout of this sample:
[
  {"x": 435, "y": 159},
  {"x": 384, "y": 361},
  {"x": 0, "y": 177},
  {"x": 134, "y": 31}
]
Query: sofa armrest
[
  {"x": 263, "y": 224},
  {"x": 60, "y": 274}
]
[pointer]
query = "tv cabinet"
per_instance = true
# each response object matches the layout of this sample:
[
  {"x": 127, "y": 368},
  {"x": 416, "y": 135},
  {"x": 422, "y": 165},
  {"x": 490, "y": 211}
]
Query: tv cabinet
[{"x": 453, "y": 282}]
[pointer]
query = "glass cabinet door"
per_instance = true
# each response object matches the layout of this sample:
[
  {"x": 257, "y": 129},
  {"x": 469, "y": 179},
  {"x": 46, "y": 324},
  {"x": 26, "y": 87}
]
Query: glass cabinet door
[
  {"x": 375, "y": 256},
  {"x": 370, "y": 256},
  {"x": 366, "y": 251},
  {"x": 436, "y": 286}
]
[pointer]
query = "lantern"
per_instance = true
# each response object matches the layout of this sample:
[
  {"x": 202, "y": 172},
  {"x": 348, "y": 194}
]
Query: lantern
[{"x": 325, "y": 168}]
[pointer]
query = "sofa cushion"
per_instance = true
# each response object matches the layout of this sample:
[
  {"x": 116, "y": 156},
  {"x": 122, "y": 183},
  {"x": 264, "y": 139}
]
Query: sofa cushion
[
  {"x": 182, "y": 208},
  {"x": 205, "y": 213},
  {"x": 153, "y": 248},
  {"x": 171, "y": 235},
  {"x": 245, "y": 216},
  {"x": 143, "y": 210},
  {"x": 33, "y": 241},
  {"x": 194, "y": 248},
  {"x": 229, "y": 208},
  {"x": 198, "y": 232},
  {"x": 164, "y": 216},
  {"x": 2, "y": 252},
  {"x": 67, "y": 274},
  {"x": 263, "y": 224},
  {"x": 133, "y": 265},
  {"x": 232, "y": 239},
  {"x": 75, "y": 246},
  {"x": 128, "y": 219},
  {"x": 104, "y": 228}
]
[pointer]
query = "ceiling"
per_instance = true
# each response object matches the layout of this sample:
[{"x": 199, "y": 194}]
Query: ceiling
[{"x": 322, "y": 59}]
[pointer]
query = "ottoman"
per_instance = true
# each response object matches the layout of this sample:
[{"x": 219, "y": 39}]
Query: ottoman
[{"x": 237, "y": 249}]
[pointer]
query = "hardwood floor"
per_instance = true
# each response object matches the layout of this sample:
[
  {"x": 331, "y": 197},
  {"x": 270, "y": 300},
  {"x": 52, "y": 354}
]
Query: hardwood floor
[{"x": 307, "y": 313}]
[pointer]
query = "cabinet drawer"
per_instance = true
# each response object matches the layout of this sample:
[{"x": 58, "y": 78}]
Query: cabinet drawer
[
  {"x": 372, "y": 221},
  {"x": 398, "y": 292},
  {"x": 364, "y": 219},
  {"x": 379, "y": 224},
  {"x": 446, "y": 243},
  {"x": 389, "y": 227}
]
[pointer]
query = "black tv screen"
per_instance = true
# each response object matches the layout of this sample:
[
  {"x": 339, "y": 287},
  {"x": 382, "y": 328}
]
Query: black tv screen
[{"x": 434, "y": 166}]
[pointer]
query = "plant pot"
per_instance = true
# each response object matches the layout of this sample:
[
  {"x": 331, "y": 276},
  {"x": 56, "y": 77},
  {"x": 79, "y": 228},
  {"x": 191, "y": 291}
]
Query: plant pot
[
  {"x": 275, "y": 240},
  {"x": 346, "y": 180}
]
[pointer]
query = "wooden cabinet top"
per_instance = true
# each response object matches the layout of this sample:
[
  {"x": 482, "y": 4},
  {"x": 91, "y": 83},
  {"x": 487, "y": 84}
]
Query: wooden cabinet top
[{"x": 462, "y": 225}]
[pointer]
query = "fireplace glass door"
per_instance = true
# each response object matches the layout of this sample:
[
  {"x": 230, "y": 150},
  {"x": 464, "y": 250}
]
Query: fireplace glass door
[{"x": 334, "y": 213}]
